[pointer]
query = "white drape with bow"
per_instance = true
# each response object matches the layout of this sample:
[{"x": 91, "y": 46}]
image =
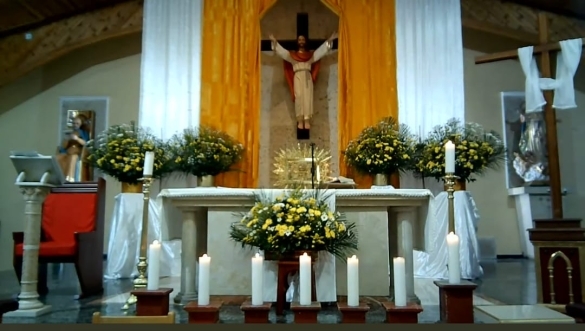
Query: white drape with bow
[{"x": 567, "y": 64}]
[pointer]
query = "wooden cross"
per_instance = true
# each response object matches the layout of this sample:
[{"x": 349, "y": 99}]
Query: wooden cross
[
  {"x": 544, "y": 48},
  {"x": 302, "y": 30},
  {"x": 291, "y": 44}
]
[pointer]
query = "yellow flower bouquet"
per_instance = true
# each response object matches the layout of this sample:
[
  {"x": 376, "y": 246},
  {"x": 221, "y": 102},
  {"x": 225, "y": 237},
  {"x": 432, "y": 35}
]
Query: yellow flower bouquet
[
  {"x": 301, "y": 220},
  {"x": 476, "y": 151},
  {"x": 119, "y": 152},
  {"x": 385, "y": 148},
  {"x": 204, "y": 151}
]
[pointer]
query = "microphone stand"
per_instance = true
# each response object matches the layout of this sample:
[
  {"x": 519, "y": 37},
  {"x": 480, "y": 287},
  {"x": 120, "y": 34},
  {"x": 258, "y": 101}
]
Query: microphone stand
[{"x": 313, "y": 166}]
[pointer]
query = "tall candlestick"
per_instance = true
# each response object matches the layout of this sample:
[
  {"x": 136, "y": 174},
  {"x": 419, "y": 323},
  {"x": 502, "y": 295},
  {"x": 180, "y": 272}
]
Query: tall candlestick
[
  {"x": 399, "y": 281},
  {"x": 203, "y": 289},
  {"x": 353, "y": 281},
  {"x": 454, "y": 263},
  {"x": 305, "y": 279},
  {"x": 449, "y": 157},
  {"x": 153, "y": 266},
  {"x": 257, "y": 275},
  {"x": 148, "y": 164}
]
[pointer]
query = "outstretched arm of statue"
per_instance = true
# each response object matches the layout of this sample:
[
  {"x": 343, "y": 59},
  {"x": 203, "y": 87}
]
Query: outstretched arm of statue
[
  {"x": 279, "y": 50},
  {"x": 324, "y": 48}
]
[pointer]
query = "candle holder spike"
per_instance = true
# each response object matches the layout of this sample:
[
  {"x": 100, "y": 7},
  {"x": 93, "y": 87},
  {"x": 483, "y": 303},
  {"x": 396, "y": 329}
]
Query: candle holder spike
[
  {"x": 450, "y": 180},
  {"x": 142, "y": 280}
]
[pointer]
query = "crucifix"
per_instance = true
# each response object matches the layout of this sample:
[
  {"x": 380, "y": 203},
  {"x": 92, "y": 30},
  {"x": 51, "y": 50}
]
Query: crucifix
[
  {"x": 544, "y": 48},
  {"x": 294, "y": 65}
]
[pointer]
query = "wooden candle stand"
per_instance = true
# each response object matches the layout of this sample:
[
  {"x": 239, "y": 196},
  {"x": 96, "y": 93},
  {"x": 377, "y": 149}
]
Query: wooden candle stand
[
  {"x": 456, "y": 301},
  {"x": 208, "y": 314},
  {"x": 350, "y": 314},
  {"x": 152, "y": 302},
  {"x": 306, "y": 314},
  {"x": 402, "y": 314},
  {"x": 256, "y": 314}
]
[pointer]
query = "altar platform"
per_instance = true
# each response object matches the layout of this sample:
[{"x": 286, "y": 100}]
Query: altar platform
[{"x": 508, "y": 281}]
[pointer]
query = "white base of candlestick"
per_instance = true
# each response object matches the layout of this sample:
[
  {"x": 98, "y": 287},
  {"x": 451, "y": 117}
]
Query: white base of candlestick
[{"x": 29, "y": 312}]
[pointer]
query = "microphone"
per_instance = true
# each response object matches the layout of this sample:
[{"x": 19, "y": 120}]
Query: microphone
[{"x": 313, "y": 167}]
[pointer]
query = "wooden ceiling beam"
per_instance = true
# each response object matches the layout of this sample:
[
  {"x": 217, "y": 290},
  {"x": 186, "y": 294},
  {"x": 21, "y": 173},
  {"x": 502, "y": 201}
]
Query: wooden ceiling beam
[
  {"x": 31, "y": 10},
  {"x": 57, "y": 39},
  {"x": 564, "y": 8},
  {"x": 43, "y": 21},
  {"x": 496, "y": 29}
]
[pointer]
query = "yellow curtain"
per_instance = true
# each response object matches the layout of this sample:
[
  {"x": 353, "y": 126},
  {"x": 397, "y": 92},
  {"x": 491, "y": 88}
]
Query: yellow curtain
[
  {"x": 230, "y": 79},
  {"x": 366, "y": 69}
]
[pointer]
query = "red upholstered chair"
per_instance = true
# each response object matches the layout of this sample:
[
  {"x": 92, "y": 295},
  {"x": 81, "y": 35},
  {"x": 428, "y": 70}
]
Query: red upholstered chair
[{"x": 72, "y": 232}]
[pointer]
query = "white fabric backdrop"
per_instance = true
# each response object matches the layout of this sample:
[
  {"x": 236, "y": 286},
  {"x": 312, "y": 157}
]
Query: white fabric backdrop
[
  {"x": 171, "y": 66},
  {"x": 429, "y": 54}
]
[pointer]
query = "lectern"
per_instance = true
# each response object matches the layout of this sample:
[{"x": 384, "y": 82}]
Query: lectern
[{"x": 37, "y": 174}]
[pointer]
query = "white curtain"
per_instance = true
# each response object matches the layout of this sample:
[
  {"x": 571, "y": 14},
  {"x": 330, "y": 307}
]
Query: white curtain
[
  {"x": 171, "y": 66},
  {"x": 429, "y": 54}
]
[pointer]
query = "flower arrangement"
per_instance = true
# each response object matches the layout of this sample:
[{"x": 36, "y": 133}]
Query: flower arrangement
[
  {"x": 119, "y": 152},
  {"x": 385, "y": 148},
  {"x": 476, "y": 151},
  {"x": 301, "y": 220},
  {"x": 204, "y": 151}
]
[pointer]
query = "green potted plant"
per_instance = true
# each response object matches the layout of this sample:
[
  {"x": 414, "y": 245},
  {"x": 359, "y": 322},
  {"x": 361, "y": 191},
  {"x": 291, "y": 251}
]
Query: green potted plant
[
  {"x": 119, "y": 153},
  {"x": 204, "y": 152},
  {"x": 381, "y": 150}
]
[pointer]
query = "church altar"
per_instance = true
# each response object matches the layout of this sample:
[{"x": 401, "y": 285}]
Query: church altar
[{"x": 390, "y": 223}]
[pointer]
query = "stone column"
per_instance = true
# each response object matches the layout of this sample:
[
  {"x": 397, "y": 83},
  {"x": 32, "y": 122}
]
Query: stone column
[
  {"x": 28, "y": 299},
  {"x": 405, "y": 220},
  {"x": 188, "y": 258}
]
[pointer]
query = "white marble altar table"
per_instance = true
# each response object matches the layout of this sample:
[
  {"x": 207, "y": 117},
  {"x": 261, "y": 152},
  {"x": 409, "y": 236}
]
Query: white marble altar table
[{"x": 390, "y": 222}]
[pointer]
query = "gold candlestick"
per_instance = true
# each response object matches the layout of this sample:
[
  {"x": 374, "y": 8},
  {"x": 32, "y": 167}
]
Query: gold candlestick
[
  {"x": 141, "y": 281},
  {"x": 450, "y": 180}
]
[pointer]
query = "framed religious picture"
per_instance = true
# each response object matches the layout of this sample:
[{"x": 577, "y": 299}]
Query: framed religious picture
[{"x": 525, "y": 139}]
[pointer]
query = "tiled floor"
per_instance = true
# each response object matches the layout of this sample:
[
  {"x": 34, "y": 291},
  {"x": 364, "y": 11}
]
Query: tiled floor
[{"x": 505, "y": 281}]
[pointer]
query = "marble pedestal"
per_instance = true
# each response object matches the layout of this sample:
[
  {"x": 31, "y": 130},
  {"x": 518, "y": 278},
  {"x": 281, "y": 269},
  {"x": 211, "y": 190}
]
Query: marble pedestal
[{"x": 28, "y": 299}]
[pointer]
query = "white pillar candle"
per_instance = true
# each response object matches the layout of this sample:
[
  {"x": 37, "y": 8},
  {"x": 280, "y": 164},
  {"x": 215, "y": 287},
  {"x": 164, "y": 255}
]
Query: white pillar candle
[
  {"x": 454, "y": 263},
  {"x": 203, "y": 289},
  {"x": 353, "y": 282},
  {"x": 148, "y": 164},
  {"x": 399, "y": 281},
  {"x": 449, "y": 157},
  {"x": 257, "y": 283},
  {"x": 305, "y": 279},
  {"x": 153, "y": 271}
]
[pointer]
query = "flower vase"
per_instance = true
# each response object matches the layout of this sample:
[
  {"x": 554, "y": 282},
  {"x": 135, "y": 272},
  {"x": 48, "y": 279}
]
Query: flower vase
[
  {"x": 205, "y": 181},
  {"x": 131, "y": 188},
  {"x": 380, "y": 180},
  {"x": 460, "y": 185}
]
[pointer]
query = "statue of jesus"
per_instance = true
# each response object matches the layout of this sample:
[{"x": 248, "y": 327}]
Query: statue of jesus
[{"x": 300, "y": 69}]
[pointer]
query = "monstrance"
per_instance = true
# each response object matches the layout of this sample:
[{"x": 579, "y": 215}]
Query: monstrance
[{"x": 292, "y": 166}]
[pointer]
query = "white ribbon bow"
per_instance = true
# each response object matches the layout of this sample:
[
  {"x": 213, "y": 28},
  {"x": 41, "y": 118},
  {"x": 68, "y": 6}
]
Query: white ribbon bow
[{"x": 567, "y": 64}]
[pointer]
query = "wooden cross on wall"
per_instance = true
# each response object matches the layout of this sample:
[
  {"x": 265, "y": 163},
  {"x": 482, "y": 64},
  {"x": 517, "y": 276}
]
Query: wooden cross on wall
[
  {"x": 291, "y": 44},
  {"x": 544, "y": 48}
]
